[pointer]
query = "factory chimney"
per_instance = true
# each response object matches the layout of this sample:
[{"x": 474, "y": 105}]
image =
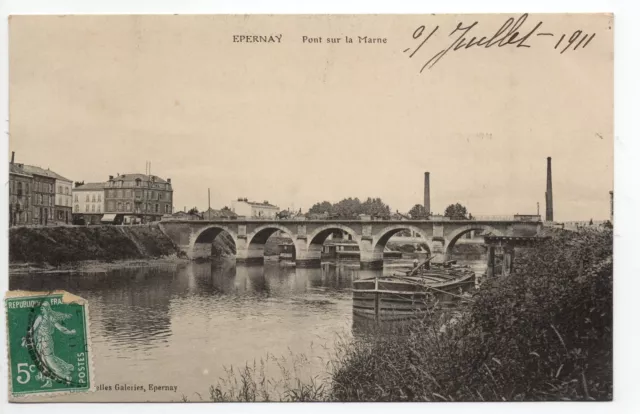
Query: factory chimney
[
  {"x": 427, "y": 194},
  {"x": 548, "y": 196}
]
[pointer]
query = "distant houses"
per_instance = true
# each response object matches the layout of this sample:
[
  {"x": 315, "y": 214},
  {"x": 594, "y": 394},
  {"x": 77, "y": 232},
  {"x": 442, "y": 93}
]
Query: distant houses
[
  {"x": 38, "y": 196},
  {"x": 252, "y": 209}
]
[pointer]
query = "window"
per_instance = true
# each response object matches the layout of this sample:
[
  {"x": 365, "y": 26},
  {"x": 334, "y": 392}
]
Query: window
[
  {"x": 119, "y": 193},
  {"x": 39, "y": 198},
  {"x": 86, "y": 208},
  {"x": 66, "y": 190},
  {"x": 99, "y": 197},
  {"x": 93, "y": 208},
  {"x": 93, "y": 198},
  {"x": 86, "y": 198},
  {"x": 166, "y": 208},
  {"x": 27, "y": 188},
  {"x": 19, "y": 189},
  {"x": 128, "y": 206},
  {"x": 98, "y": 208},
  {"x": 138, "y": 182},
  {"x": 76, "y": 198},
  {"x": 60, "y": 189},
  {"x": 157, "y": 208},
  {"x": 119, "y": 206}
]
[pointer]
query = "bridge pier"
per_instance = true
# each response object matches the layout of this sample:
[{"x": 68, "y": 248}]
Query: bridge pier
[
  {"x": 249, "y": 253},
  {"x": 370, "y": 257},
  {"x": 307, "y": 256},
  {"x": 438, "y": 250}
]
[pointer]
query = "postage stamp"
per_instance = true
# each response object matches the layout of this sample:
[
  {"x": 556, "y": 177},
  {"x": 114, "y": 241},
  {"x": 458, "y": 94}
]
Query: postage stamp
[{"x": 48, "y": 343}]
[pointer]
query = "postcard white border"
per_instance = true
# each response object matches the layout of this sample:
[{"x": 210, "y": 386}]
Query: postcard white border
[{"x": 627, "y": 171}]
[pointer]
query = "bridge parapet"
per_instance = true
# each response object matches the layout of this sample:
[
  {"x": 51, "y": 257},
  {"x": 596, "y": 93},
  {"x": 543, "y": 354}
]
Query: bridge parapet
[{"x": 250, "y": 235}]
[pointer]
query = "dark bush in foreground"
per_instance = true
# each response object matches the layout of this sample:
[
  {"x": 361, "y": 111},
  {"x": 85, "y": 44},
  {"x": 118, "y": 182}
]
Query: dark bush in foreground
[{"x": 544, "y": 333}]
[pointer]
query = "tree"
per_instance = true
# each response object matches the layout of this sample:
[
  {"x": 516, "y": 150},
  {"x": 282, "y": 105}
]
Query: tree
[
  {"x": 194, "y": 210},
  {"x": 376, "y": 208},
  {"x": 349, "y": 208},
  {"x": 456, "y": 212},
  {"x": 418, "y": 212},
  {"x": 321, "y": 208}
]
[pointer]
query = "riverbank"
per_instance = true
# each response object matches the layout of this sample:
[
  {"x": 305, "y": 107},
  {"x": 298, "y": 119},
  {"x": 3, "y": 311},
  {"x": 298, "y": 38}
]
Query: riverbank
[
  {"x": 75, "y": 247},
  {"x": 92, "y": 266},
  {"x": 542, "y": 334}
]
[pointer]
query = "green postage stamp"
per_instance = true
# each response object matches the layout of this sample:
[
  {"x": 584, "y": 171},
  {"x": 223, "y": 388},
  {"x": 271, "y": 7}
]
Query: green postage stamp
[{"x": 48, "y": 343}]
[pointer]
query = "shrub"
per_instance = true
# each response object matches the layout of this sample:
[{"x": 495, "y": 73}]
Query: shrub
[{"x": 544, "y": 333}]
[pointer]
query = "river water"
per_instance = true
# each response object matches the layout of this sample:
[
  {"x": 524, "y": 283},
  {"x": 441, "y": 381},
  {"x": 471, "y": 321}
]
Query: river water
[{"x": 182, "y": 324}]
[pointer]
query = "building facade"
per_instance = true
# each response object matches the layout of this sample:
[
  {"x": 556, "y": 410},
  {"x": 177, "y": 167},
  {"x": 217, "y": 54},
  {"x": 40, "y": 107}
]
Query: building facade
[
  {"x": 88, "y": 203},
  {"x": 20, "y": 186},
  {"x": 63, "y": 213},
  {"x": 252, "y": 209},
  {"x": 137, "y": 198},
  {"x": 43, "y": 195}
]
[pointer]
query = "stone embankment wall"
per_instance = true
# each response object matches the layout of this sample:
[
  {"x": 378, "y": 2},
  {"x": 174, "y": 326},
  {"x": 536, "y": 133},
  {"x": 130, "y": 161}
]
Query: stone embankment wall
[{"x": 67, "y": 244}]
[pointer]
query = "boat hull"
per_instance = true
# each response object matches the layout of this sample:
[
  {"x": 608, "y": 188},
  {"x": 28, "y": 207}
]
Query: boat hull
[{"x": 394, "y": 299}]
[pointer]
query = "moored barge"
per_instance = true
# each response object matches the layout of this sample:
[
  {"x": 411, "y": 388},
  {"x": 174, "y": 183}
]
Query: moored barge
[{"x": 426, "y": 288}]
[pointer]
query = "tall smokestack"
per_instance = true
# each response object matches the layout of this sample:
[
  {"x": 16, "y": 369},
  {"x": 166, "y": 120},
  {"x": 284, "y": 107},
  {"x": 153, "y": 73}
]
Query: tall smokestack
[
  {"x": 13, "y": 156},
  {"x": 427, "y": 193},
  {"x": 549, "y": 193}
]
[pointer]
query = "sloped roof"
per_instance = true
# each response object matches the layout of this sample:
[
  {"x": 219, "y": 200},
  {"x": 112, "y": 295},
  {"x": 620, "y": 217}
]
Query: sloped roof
[
  {"x": 219, "y": 213},
  {"x": 35, "y": 170},
  {"x": 90, "y": 187},
  {"x": 17, "y": 169},
  {"x": 134, "y": 176}
]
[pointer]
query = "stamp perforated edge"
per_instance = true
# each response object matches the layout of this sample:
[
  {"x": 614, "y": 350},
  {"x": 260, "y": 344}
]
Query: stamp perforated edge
[{"x": 67, "y": 298}]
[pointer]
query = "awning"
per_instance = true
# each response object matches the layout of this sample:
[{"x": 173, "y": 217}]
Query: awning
[{"x": 108, "y": 218}]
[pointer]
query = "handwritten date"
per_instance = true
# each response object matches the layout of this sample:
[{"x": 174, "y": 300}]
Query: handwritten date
[{"x": 509, "y": 34}]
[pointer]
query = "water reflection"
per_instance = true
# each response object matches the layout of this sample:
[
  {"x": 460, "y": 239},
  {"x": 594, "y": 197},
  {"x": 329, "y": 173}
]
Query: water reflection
[{"x": 169, "y": 324}]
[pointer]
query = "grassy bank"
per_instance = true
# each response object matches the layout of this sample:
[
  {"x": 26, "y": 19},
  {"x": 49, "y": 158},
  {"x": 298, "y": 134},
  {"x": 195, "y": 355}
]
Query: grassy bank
[{"x": 544, "y": 333}]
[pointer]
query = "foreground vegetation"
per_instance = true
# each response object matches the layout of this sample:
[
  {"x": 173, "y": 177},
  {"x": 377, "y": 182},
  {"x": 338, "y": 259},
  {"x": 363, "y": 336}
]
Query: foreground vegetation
[{"x": 544, "y": 333}]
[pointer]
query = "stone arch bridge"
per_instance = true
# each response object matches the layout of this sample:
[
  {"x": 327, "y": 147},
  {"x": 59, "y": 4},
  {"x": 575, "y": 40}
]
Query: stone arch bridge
[{"x": 194, "y": 237}]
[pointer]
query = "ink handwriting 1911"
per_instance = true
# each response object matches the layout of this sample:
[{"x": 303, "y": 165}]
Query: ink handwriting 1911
[{"x": 509, "y": 34}]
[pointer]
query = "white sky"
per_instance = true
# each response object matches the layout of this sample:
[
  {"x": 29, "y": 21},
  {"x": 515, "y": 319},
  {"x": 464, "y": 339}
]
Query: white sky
[{"x": 294, "y": 124}]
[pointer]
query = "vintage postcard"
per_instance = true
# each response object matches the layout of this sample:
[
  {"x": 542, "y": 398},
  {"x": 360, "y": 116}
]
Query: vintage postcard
[{"x": 338, "y": 208}]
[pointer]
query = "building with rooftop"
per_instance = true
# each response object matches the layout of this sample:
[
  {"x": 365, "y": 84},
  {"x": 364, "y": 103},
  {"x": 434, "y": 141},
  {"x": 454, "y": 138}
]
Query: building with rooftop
[
  {"x": 43, "y": 194},
  {"x": 137, "y": 198},
  {"x": 252, "y": 209},
  {"x": 63, "y": 212},
  {"x": 88, "y": 203},
  {"x": 20, "y": 186}
]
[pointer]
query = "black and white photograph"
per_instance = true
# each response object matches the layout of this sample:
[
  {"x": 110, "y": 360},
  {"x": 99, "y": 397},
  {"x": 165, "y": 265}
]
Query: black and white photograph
[{"x": 310, "y": 208}]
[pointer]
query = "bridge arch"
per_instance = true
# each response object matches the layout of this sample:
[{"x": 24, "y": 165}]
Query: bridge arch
[
  {"x": 262, "y": 233},
  {"x": 205, "y": 237},
  {"x": 382, "y": 238},
  {"x": 319, "y": 235},
  {"x": 453, "y": 236}
]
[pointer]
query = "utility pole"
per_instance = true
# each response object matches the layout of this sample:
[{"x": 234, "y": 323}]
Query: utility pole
[
  {"x": 538, "y": 207},
  {"x": 209, "y": 193}
]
